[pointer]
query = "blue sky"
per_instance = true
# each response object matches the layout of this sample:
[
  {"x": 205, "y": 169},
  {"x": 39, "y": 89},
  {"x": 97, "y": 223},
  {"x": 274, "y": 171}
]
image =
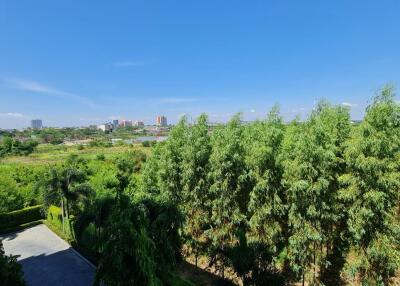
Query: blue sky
[{"x": 74, "y": 63}]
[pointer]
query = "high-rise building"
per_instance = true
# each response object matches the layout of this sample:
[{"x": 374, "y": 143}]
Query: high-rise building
[
  {"x": 106, "y": 127},
  {"x": 125, "y": 123},
  {"x": 161, "y": 120},
  {"x": 115, "y": 123},
  {"x": 139, "y": 123},
  {"x": 36, "y": 124}
]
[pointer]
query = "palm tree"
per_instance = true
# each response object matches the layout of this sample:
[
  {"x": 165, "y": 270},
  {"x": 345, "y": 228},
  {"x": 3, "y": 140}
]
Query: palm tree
[{"x": 66, "y": 185}]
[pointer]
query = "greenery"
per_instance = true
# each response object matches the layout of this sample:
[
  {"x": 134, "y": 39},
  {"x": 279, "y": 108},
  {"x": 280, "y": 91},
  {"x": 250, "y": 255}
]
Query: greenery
[
  {"x": 314, "y": 202},
  {"x": 10, "y": 270},
  {"x": 10, "y": 146},
  {"x": 19, "y": 217}
]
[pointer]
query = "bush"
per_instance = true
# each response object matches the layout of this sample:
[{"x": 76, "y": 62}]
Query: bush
[
  {"x": 100, "y": 157},
  {"x": 10, "y": 197},
  {"x": 16, "y": 218},
  {"x": 146, "y": 143}
]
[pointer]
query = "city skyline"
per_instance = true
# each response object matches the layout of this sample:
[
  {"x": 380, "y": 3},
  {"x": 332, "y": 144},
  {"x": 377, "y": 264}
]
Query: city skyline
[{"x": 191, "y": 57}]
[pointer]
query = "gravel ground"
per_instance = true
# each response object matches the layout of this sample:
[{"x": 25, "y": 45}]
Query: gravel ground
[{"x": 47, "y": 259}]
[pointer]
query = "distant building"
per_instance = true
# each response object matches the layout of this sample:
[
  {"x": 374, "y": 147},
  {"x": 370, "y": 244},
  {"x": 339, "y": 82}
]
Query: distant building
[
  {"x": 139, "y": 123},
  {"x": 115, "y": 123},
  {"x": 107, "y": 127},
  {"x": 161, "y": 120},
  {"x": 125, "y": 123},
  {"x": 36, "y": 124}
]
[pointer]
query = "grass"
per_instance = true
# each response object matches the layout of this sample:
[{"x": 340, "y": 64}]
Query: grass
[{"x": 53, "y": 154}]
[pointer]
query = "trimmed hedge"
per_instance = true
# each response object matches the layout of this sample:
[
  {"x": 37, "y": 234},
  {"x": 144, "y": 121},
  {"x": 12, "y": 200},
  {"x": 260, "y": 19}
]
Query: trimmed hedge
[{"x": 19, "y": 217}]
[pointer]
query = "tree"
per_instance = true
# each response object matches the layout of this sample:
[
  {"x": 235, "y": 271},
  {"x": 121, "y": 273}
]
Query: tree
[
  {"x": 371, "y": 189},
  {"x": 127, "y": 252},
  {"x": 11, "y": 273},
  {"x": 229, "y": 190},
  {"x": 267, "y": 205},
  {"x": 66, "y": 185},
  {"x": 10, "y": 146},
  {"x": 195, "y": 169},
  {"x": 170, "y": 165},
  {"x": 10, "y": 196},
  {"x": 150, "y": 179},
  {"x": 312, "y": 159}
]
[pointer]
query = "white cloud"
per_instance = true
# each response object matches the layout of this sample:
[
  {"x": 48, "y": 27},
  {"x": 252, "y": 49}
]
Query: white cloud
[
  {"x": 125, "y": 64},
  {"x": 252, "y": 110},
  {"x": 177, "y": 100},
  {"x": 33, "y": 86},
  {"x": 13, "y": 115},
  {"x": 349, "y": 104}
]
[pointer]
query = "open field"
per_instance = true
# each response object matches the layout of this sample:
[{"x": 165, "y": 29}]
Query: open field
[{"x": 51, "y": 154}]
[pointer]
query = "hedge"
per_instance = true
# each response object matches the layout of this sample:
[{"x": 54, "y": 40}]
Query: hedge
[{"x": 19, "y": 217}]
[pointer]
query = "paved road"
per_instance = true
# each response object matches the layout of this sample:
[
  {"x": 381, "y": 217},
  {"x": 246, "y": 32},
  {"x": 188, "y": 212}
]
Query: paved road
[{"x": 47, "y": 259}]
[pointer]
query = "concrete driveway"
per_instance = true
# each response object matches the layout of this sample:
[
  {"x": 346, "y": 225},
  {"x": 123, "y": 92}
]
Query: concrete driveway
[{"x": 47, "y": 259}]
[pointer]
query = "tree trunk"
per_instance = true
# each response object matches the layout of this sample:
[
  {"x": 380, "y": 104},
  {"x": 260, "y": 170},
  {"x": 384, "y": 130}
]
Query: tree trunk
[
  {"x": 62, "y": 213},
  {"x": 66, "y": 209},
  {"x": 196, "y": 256},
  {"x": 314, "y": 274}
]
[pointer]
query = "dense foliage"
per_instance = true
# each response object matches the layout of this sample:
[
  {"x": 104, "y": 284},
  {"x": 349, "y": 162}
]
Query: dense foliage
[
  {"x": 314, "y": 201},
  {"x": 10, "y": 146}
]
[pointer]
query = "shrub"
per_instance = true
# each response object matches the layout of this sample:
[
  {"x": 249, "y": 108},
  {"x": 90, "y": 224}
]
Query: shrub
[
  {"x": 16, "y": 218},
  {"x": 100, "y": 157},
  {"x": 146, "y": 143},
  {"x": 10, "y": 197}
]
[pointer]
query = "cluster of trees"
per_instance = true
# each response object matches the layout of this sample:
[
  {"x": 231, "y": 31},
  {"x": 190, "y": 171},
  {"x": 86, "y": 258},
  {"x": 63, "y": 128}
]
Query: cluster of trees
[
  {"x": 10, "y": 146},
  {"x": 57, "y": 136},
  {"x": 312, "y": 201},
  {"x": 288, "y": 202},
  {"x": 18, "y": 192},
  {"x": 133, "y": 238}
]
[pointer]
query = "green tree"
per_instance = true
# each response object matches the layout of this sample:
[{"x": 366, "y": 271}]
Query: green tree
[
  {"x": 195, "y": 169},
  {"x": 127, "y": 252},
  {"x": 67, "y": 186},
  {"x": 267, "y": 205},
  {"x": 10, "y": 197},
  {"x": 371, "y": 190},
  {"x": 267, "y": 202},
  {"x": 150, "y": 179},
  {"x": 170, "y": 165},
  {"x": 229, "y": 190},
  {"x": 312, "y": 158}
]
